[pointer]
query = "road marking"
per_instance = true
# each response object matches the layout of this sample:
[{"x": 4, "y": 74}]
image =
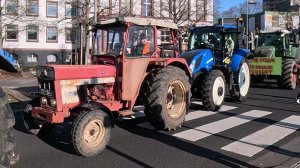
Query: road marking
[
  {"x": 194, "y": 115},
  {"x": 221, "y": 125},
  {"x": 296, "y": 165},
  {"x": 202, "y": 113},
  {"x": 256, "y": 142}
]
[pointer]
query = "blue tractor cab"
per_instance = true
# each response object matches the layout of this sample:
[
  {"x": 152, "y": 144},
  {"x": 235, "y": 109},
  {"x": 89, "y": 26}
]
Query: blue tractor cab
[{"x": 217, "y": 64}]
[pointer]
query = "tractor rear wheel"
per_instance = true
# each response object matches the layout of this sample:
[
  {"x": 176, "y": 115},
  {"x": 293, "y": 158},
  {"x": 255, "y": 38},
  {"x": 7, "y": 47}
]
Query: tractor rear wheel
[
  {"x": 288, "y": 78},
  {"x": 91, "y": 132},
  {"x": 7, "y": 138},
  {"x": 33, "y": 125},
  {"x": 240, "y": 91},
  {"x": 213, "y": 90},
  {"x": 167, "y": 97}
]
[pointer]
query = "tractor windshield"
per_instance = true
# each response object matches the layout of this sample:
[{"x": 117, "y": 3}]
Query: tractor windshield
[
  {"x": 206, "y": 40},
  {"x": 270, "y": 39},
  {"x": 109, "y": 41}
]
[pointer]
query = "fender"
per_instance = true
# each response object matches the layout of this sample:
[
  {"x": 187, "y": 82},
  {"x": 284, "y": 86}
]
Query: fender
[
  {"x": 179, "y": 62},
  {"x": 237, "y": 58},
  {"x": 98, "y": 106}
]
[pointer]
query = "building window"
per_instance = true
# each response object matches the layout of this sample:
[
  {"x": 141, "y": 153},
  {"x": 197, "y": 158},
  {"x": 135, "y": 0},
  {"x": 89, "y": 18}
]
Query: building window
[
  {"x": 12, "y": 32},
  {"x": 147, "y": 7},
  {"x": 32, "y": 33},
  {"x": 32, "y": 7},
  {"x": 32, "y": 58},
  {"x": 70, "y": 10},
  {"x": 70, "y": 35},
  {"x": 52, "y": 9},
  {"x": 125, "y": 7},
  {"x": 52, "y": 34},
  {"x": 51, "y": 58},
  {"x": 12, "y": 7}
]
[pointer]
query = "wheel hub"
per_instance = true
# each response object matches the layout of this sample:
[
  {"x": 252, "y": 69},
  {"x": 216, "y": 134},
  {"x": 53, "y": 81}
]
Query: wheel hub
[
  {"x": 175, "y": 100},
  {"x": 94, "y": 133},
  {"x": 220, "y": 91},
  {"x": 244, "y": 79}
]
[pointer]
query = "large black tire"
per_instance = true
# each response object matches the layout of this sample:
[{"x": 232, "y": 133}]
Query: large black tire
[
  {"x": 213, "y": 87},
  {"x": 288, "y": 78},
  {"x": 7, "y": 138},
  {"x": 91, "y": 132},
  {"x": 35, "y": 126},
  {"x": 242, "y": 80},
  {"x": 167, "y": 96}
]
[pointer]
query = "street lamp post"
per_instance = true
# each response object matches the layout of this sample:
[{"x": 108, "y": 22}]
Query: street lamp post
[
  {"x": 247, "y": 23},
  {"x": 247, "y": 26}
]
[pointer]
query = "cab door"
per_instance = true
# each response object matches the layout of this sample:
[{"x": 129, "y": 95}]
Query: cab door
[{"x": 138, "y": 52}]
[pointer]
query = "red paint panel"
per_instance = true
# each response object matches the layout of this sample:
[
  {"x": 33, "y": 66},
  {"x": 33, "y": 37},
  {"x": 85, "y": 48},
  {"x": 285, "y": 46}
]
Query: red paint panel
[
  {"x": 66, "y": 72},
  {"x": 48, "y": 115}
]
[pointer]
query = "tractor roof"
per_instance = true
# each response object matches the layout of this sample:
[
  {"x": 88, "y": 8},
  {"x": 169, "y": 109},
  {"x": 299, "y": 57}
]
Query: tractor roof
[
  {"x": 140, "y": 21},
  {"x": 275, "y": 30},
  {"x": 224, "y": 28}
]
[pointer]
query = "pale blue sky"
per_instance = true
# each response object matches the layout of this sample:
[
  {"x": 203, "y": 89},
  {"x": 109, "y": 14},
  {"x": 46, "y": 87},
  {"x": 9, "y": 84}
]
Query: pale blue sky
[{"x": 225, "y": 4}]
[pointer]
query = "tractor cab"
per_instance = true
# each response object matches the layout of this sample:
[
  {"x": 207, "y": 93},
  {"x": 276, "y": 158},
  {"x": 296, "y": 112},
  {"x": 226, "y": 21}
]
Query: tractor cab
[
  {"x": 276, "y": 43},
  {"x": 221, "y": 40}
]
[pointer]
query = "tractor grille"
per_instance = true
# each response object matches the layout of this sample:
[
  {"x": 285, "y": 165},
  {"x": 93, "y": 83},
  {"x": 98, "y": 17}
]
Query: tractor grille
[{"x": 46, "y": 87}]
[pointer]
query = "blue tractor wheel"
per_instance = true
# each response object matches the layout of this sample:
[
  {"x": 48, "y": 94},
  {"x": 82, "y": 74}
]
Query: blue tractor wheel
[
  {"x": 213, "y": 87},
  {"x": 241, "y": 79}
]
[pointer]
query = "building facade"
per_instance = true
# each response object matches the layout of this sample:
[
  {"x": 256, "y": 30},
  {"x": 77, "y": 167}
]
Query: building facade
[
  {"x": 43, "y": 31},
  {"x": 281, "y": 5}
]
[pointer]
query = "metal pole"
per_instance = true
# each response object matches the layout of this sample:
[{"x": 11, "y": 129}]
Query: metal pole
[
  {"x": 247, "y": 27},
  {"x": 81, "y": 44}
]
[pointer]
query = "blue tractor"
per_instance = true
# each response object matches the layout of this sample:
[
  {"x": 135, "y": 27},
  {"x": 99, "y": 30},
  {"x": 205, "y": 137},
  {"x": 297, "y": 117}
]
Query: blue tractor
[{"x": 217, "y": 64}]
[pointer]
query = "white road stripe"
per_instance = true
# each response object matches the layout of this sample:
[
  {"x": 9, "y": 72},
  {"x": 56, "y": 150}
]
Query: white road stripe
[
  {"x": 256, "y": 142},
  {"x": 193, "y": 115},
  {"x": 219, "y": 126},
  {"x": 201, "y": 113}
]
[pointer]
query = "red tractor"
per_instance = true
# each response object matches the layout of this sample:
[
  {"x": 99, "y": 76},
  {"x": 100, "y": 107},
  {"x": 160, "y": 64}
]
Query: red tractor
[{"x": 130, "y": 67}]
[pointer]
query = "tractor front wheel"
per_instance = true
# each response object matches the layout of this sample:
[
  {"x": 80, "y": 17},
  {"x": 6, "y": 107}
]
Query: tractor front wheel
[
  {"x": 240, "y": 91},
  {"x": 288, "y": 78},
  {"x": 91, "y": 132},
  {"x": 167, "y": 98},
  {"x": 213, "y": 90}
]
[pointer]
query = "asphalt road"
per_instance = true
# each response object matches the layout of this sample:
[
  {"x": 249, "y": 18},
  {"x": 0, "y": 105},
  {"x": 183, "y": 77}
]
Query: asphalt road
[{"x": 261, "y": 132}]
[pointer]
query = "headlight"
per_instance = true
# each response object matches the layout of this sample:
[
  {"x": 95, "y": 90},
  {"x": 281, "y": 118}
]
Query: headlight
[
  {"x": 43, "y": 100},
  {"x": 192, "y": 65},
  {"x": 53, "y": 102}
]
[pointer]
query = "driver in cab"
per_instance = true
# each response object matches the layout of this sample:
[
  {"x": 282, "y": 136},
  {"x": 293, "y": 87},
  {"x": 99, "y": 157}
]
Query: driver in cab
[
  {"x": 143, "y": 48},
  {"x": 229, "y": 44}
]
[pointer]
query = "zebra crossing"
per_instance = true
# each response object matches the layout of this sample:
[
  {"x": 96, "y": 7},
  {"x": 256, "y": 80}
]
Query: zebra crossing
[{"x": 249, "y": 145}]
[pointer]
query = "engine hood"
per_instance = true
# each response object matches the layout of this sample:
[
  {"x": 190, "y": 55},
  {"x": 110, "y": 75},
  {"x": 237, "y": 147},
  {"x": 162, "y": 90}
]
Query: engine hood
[
  {"x": 265, "y": 51},
  {"x": 66, "y": 72},
  {"x": 189, "y": 55}
]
